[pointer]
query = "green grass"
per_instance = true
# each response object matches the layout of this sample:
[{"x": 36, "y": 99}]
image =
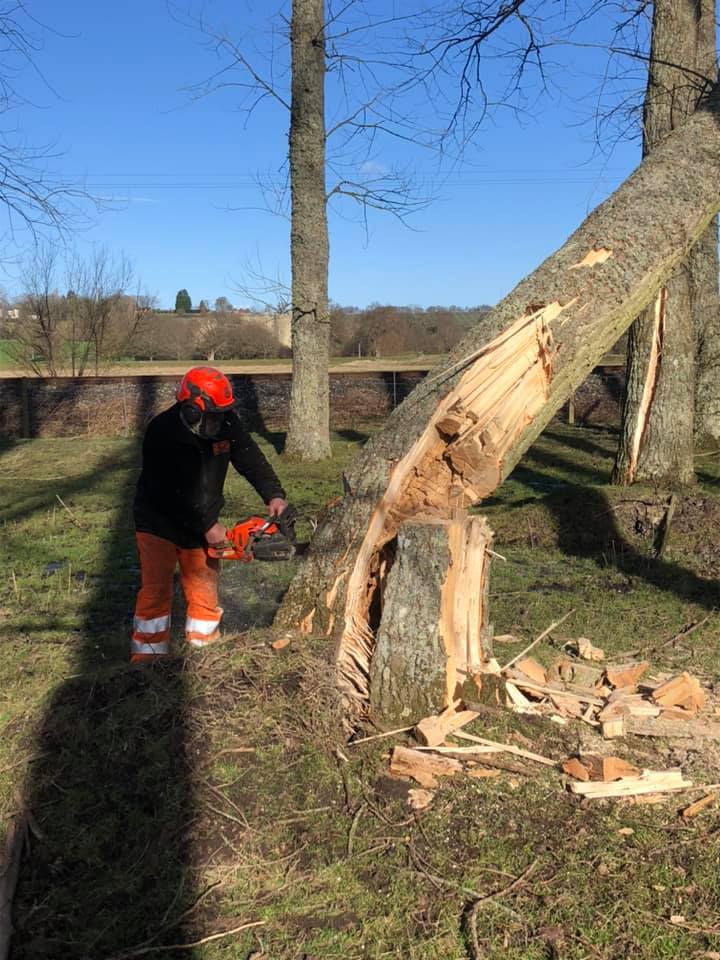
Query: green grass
[{"x": 151, "y": 828}]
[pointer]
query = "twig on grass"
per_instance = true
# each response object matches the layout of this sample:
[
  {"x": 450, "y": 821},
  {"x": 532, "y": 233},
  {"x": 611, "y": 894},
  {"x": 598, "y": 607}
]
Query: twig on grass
[
  {"x": 353, "y": 827},
  {"x": 471, "y": 915},
  {"x": 379, "y": 736},
  {"x": 537, "y": 640},
  {"x": 141, "y": 951},
  {"x": 70, "y": 513},
  {"x": 682, "y": 634},
  {"x": 19, "y": 763}
]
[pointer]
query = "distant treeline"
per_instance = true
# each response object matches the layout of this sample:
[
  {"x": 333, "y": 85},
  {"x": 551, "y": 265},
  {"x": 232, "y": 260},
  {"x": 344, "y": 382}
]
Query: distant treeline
[{"x": 383, "y": 330}]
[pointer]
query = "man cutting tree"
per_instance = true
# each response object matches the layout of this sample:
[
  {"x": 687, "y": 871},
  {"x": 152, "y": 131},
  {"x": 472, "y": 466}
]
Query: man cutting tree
[{"x": 185, "y": 456}]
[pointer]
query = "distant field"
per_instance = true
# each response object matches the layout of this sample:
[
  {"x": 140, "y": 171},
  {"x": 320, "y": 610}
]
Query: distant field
[{"x": 170, "y": 367}]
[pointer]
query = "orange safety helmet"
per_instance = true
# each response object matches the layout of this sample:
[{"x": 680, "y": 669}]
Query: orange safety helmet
[{"x": 206, "y": 389}]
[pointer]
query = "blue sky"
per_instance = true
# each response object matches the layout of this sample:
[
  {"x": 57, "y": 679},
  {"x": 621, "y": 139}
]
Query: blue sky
[{"x": 178, "y": 173}]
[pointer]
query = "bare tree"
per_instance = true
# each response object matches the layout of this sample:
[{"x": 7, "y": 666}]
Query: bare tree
[
  {"x": 84, "y": 330},
  {"x": 37, "y": 334},
  {"x": 99, "y": 284},
  {"x": 33, "y": 198},
  {"x": 382, "y": 79}
]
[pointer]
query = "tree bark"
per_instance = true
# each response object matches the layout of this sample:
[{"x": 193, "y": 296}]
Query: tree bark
[
  {"x": 463, "y": 428},
  {"x": 433, "y": 632},
  {"x": 656, "y": 441},
  {"x": 704, "y": 270},
  {"x": 308, "y": 435}
]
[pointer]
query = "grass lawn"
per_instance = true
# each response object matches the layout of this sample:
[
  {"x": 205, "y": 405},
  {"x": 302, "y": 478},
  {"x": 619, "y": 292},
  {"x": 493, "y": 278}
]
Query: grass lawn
[{"x": 180, "y": 801}]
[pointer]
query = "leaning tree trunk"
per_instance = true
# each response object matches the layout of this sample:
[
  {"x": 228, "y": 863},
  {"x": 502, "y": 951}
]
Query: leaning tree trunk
[
  {"x": 309, "y": 427},
  {"x": 656, "y": 438},
  {"x": 463, "y": 429}
]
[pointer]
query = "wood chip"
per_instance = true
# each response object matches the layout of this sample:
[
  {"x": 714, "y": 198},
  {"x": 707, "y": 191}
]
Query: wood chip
[
  {"x": 419, "y": 799},
  {"x": 574, "y": 768},
  {"x": 588, "y": 651},
  {"x": 480, "y": 774},
  {"x": 431, "y": 731},
  {"x": 625, "y": 674},
  {"x": 280, "y": 643},
  {"x": 532, "y": 669},
  {"x": 702, "y": 804}
]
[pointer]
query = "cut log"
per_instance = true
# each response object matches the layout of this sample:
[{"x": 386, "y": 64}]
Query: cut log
[
  {"x": 431, "y": 731},
  {"x": 464, "y": 428},
  {"x": 693, "y": 729},
  {"x": 650, "y": 781},
  {"x": 423, "y": 767},
  {"x": 433, "y": 632}
]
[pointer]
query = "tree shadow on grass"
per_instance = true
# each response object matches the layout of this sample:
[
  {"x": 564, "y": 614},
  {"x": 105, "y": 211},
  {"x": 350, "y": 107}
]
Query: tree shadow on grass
[
  {"x": 107, "y": 865},
  {"x": 587, "y": 527}
]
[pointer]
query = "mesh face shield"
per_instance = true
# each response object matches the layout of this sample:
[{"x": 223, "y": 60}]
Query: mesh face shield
[{"x": 204, "y": 425}]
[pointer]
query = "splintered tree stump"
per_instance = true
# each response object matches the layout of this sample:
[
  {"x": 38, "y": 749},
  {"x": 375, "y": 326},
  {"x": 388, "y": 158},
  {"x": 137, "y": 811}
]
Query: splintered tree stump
[
  {"x": 463, "y": 429},
  {"x": 433, "y": 632}
]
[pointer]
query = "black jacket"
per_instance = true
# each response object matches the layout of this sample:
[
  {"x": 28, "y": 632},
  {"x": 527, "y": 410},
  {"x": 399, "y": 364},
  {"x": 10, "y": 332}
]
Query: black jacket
[{"x": 179, "y": 493}]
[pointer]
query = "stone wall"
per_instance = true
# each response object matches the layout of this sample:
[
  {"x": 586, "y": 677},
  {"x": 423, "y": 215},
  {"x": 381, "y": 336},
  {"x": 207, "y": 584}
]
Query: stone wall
[{"x": 110, "y": 406}]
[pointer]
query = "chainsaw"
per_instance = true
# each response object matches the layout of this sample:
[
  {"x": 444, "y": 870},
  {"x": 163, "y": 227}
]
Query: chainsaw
[{"x": 258, "y": 538}]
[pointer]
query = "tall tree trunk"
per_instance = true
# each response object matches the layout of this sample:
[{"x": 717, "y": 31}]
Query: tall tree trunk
[
  {"x": 706, "y": 312},
  {"x": 309, "y": 427},
  {"x": 704, "y": 269},
  {"x": 656, "y": 440},
  {"x": 463, "y": 429}
]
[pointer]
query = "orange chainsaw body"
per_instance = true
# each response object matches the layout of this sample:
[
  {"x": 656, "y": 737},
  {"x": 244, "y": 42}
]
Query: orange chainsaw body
[{"x": 245, "y": 537}]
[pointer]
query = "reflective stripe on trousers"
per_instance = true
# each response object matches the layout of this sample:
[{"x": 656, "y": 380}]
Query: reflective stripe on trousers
[{"x": 199, "y": 581}]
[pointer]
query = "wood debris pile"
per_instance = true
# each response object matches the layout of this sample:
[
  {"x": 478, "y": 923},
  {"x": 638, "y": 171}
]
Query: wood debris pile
[
  {"x": 613, "y": 698},
  {"x": 617, "y": 698}
]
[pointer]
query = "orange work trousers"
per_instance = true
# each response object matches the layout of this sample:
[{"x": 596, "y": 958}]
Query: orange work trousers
[{"x": 199, "y": 581}]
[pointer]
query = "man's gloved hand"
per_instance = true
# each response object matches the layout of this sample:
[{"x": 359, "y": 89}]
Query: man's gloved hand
[
  {"x": 276, "y": 506},
  {"x": 286, "y": 522},
  {"x": 216, "y": 535}
]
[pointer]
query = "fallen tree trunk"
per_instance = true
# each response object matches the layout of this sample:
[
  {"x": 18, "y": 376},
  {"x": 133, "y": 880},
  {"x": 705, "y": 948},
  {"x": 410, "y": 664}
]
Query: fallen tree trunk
[{"x": 463, "y": 429}]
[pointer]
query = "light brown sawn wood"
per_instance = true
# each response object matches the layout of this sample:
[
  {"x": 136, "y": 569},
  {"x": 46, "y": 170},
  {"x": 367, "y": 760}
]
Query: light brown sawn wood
[
  {"x": 574, "y": 768},
  {"x": 607, "y": 769},
  {"x": 431, "y": 731},
  {"x": 683, "y": 690},
  {"x": 555, "y": 690},
  {"x": 423, "y": 767},
  {"x": 649, "y": 781},
  {"x": 532, "y": 669},
  {"x": 699, "y": 805},
  {"x": 625, "y": 674}
]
